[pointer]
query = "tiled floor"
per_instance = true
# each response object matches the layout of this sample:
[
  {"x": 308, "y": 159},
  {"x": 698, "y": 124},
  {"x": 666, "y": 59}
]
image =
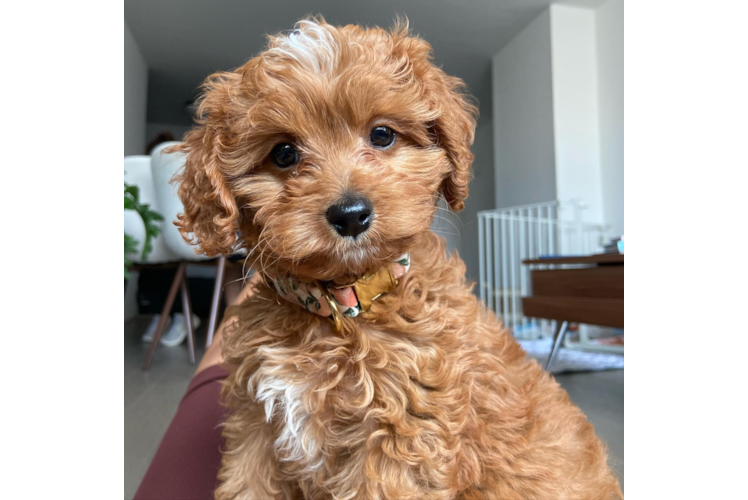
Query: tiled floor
[{"x": 151, "y": 400}]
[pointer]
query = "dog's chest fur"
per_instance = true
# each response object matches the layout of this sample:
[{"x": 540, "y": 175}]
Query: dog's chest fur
[
  {"x": 390, "y": 409},
  {"x": 336, "y": 407},
  {"x": 283, "y": 401},
  {"x": 436, "y": 401}
]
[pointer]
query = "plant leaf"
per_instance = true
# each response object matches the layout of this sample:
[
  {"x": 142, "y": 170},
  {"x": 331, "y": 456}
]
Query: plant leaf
[{"x": 149, "y": 217}]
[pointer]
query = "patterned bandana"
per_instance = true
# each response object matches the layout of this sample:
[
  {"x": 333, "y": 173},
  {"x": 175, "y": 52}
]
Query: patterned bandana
[{"x": 309, "y": 296}]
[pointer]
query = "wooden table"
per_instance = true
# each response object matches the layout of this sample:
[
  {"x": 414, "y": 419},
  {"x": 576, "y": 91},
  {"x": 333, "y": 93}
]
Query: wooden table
[{"x": 589, "y": 292}]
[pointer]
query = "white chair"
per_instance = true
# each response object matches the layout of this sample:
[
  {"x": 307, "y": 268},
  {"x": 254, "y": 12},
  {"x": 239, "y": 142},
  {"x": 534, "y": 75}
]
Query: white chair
[
  {"x": 165, "y": 166},
  {"x": 153, "y": 174},
  {"x": 139, "y": 172}
]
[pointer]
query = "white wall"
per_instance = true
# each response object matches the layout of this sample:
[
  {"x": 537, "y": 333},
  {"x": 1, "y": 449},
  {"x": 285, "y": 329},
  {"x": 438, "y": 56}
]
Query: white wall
[
  {"x": 558, "y": 112},
  {"x": 609, "y": 37},
  {"x": 523, "y": 117},
  {"x": 136, "y": 96},
  {"x": 575, "y": 108}
]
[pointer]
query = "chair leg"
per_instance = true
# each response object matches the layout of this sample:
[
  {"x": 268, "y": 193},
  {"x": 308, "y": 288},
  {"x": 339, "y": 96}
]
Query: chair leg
[
  {"x": 187, "y": 307},
  {"x": 220, "y": 268},
  {"x": 164, "y": 314},
  {"x": 560, "y": 332}
]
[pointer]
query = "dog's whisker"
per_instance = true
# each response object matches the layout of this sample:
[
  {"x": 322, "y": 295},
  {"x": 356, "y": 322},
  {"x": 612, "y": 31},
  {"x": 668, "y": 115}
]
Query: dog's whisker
[{"x": 437, "y": 216}]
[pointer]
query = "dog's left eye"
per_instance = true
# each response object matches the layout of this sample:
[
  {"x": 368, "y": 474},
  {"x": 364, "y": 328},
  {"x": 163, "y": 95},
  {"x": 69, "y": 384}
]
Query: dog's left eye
[
  {"x": 382, "y": 136},
  {"x": 284, "y": 155}
]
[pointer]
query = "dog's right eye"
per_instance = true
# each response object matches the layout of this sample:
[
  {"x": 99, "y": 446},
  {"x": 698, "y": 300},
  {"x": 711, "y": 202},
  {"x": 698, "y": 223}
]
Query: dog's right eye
[
  {"x": 284, "y": 155},
  {"x": 382, "y": 137}
]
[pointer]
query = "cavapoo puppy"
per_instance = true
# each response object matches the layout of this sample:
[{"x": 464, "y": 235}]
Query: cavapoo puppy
[{"x": 363, "y": 367}]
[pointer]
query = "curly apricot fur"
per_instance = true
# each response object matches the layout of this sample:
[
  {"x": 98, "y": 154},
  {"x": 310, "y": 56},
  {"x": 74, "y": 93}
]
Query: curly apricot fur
[{"x": 427, "y": 396}]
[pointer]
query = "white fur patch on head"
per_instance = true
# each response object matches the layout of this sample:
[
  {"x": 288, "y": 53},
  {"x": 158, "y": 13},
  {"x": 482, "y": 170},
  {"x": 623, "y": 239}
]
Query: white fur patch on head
[{"x": 310, "y": 45}]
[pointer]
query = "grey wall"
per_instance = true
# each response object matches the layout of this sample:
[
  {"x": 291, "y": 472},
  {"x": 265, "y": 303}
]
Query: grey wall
[
  {"x": 609, "y": 28},
  {"x": 482, "y": 191},
  {"x": 523, "y": 117},
  {"x": 153, "y": 129},
  {"x": 136, "y": 96}
]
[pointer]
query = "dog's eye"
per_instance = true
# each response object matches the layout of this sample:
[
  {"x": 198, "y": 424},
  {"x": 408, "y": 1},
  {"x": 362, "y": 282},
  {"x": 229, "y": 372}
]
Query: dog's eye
[
  {"x": 284, "y": 155},
  {"x": 382, "y": 136}
]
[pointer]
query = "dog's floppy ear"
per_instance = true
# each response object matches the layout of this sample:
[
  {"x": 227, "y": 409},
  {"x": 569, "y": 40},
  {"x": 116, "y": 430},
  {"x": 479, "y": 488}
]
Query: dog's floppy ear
[
  {"x": 210, "y": 213},
  {"x": 455, "y": 131},
  {"x": 453, "y": 126}
]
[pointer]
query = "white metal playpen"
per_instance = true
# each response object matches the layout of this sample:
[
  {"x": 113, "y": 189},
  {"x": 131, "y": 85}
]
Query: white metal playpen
[{"x": 507, "y": 236}]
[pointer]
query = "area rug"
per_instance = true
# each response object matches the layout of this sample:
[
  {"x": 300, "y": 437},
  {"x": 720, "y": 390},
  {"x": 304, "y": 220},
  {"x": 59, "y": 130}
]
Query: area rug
[{"x": 568, "y": 360}]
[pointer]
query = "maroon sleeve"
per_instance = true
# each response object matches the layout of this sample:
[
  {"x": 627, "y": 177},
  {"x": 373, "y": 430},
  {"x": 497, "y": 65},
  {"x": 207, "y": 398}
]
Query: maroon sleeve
[{"x": 187, "y": 461}]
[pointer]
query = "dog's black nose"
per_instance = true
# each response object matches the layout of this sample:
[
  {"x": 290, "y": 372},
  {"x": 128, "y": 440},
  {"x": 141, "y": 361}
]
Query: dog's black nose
[{"x": 351, "y": 217}]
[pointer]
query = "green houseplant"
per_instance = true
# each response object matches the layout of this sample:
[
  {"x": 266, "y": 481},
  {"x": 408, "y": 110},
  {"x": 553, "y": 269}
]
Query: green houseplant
[{"x": 150, "y": 217}]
